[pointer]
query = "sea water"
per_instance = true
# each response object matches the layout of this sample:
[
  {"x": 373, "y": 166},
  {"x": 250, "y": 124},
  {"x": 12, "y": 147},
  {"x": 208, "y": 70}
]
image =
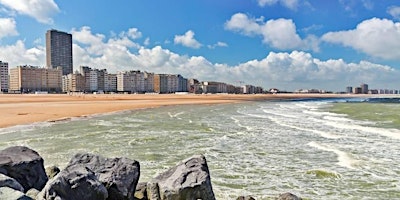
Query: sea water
[{"x": 317, "y": 149}]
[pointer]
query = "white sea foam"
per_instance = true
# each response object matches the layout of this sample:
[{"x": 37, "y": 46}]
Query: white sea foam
[
  {"x": 344, "y": 159},
  {"x": 391, "y": 133},
  {"x": 321, "y": 133}
]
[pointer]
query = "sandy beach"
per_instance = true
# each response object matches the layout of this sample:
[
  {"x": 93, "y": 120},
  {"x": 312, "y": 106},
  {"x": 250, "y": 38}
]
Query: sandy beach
[{"x": 18, "y": 109}]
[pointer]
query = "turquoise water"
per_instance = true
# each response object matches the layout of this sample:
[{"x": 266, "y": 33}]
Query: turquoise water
[{"x": 310, "y": 148}]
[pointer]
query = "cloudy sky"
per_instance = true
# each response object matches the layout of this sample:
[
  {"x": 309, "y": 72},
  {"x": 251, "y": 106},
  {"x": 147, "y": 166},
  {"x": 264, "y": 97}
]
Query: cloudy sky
[{"x": 287, "y": 44}]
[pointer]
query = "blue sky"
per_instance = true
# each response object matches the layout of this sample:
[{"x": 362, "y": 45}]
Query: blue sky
[{"x": 286, "y": 44}]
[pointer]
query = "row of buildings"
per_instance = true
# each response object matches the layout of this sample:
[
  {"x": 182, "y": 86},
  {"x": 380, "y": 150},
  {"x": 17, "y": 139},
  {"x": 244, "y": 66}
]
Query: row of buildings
[
  {"x": 30, "y": 79},
  {"x": 363, "y": 89}
]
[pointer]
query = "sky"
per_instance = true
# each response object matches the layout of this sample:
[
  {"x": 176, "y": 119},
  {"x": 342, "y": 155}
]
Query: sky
[{"x": 284, "y": 44}]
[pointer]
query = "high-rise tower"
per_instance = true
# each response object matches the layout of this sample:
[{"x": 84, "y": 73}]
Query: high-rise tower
[{"x": 59, "y": 50}]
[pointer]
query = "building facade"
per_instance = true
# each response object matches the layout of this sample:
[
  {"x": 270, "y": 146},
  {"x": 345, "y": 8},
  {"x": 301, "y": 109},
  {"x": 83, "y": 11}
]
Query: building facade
[
  {"x": 28, "y": 79},
  {"x": 4, "y": 79},
  {"x": 130, "y": 81},
  {"x": 59, "y": 51},
  {"x": 161, "y": 83}
]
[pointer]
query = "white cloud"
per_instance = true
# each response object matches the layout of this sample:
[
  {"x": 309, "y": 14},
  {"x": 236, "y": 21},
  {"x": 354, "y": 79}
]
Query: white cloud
[
  {"x": 41, "y": 10},
  {"x": 375, "y": 37},
  {"x": 133, "y": 33},
  {"x": 8, "y": 27},
  {"x": 394, "y": 11},
  {"x": 291, "y": 4},
  {"x": 17, "y": 54},
  {"x": 218, "y": 44},
  {"x": 187, "y": 40},
  {"x": 279, "y": 33}
]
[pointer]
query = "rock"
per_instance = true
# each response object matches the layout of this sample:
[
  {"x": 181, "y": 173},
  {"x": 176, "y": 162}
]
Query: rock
[
  {"x": 24, "y": 165},
  {"x": 245, "y": 198},
  {"x": 141, "y": 191},
  {"x": 52, "y": 171},
  {"x": 7, "y": 193},
  {"x": 32, "y": 193},
  {"x": 6, "y": 181},
  {"x": 74, "y": 182},
  {"x": 189, "y": 180},
  {"x": 288, "y": 196},
  {"x": 119, "y": 175}
]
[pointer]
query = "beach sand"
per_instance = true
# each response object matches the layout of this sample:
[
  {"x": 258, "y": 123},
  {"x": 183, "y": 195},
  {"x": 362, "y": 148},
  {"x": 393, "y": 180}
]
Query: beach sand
[{"x": 19, "y": 109}]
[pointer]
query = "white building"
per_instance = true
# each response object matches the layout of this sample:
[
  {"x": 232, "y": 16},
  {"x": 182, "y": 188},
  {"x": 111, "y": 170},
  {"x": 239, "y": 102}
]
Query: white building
[
  {"x": 4, "y": 79},
  {"x": 93, "y": 80}
]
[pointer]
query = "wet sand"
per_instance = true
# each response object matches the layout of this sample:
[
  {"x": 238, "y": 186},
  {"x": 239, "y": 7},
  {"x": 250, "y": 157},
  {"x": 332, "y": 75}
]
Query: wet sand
[{"x": 18, "y": 109}]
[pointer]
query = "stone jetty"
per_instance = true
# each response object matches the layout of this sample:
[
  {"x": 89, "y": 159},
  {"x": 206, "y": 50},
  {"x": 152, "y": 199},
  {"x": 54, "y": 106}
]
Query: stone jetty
[{"x": 93, "y": 177}]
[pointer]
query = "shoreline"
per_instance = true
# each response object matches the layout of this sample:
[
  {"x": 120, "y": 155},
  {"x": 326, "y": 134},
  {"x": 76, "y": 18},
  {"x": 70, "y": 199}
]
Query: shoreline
[{"x": 24, "y": 109}]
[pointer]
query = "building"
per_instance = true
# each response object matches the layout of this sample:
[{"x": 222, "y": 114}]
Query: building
[
  {"x": 161, "y": 83},
  {"x": 357, "y": 90},
  {"x": 213, "y": 87},
  {"x": 110, "y": 83},
  {"x": 349, "y": 90},
  {"x": 3, "y": 77},
  {"x": 148, "y": 82},
  {"x": 28, "y": 79},
  {"x": 59, "y": 51},
  {"x": 364, "y": 88},
  {"x": 130, "y": 81},
  {"x": 73, "y": 83}
]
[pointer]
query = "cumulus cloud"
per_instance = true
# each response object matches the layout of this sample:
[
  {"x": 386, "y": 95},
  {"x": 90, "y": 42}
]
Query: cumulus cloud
[
  {"x": 280, "y": 33},
  {"x": 17, "y": 54},
  {"x": 187, "y": 40},
  {"x": 291, "y": 4},
  {"x": 8, "y": 27},
  {"x": 41, "y": 10},
  {"x": 375, "y": 37},
  {"x": 394, "y": 11},
  {"x": 218, "y": 44}
]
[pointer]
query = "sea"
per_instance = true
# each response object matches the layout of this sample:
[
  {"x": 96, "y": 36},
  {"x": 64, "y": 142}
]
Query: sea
[{"x": 345, "y": 148}]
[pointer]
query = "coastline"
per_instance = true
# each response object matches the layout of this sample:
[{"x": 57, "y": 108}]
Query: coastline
[{"x": 21, "y": 109}]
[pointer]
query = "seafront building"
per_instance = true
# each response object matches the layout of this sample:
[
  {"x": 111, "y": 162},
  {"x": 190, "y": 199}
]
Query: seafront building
[
  {"x": 131, "y": 82},
  {"x": 59, "y": 51},
  {"x": 4, "y": 78},
  {"x": 35, "y": 79}
]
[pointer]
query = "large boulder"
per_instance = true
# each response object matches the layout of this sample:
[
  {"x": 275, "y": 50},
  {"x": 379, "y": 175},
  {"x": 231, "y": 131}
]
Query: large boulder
[
  {"x": 24, "y": 165},
  {"x": 188, "y": 180},
  {"x": 74, "y": 182},
  {"x": 7, "y": 193},
  {"x": 6, "y": 181},
  {"x": 288, "y": 196},
  {"x": 119, "y": 175}
]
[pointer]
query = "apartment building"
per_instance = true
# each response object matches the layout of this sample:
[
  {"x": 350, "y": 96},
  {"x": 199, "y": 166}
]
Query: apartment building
[
  {"x": 148, "y": 82},
  {"x": 59, "y": 51},
  {"x": 4, "y": 79},
  {"x": 130, "y": 81},
  {"x": 26, "y": 79},
  {"x": 213, "y": 87},
  {"x": 110, "y": 83},
  {"x": 73, "y": 83},
  {"x": 161, "y": 83}
]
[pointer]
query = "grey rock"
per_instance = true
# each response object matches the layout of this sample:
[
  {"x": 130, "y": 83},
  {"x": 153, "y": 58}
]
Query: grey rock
[
  {"x": 188, "y": 180},
  {"x": 288, "y": 196},
  {"x": 74, "y": 182},
  {"x": 119, "y": 175},
  {"x": 52, "y": 171},
  {"x": 6, "y": 181},
  {"x": 24, "y": 165},
  {"x": 245, "y": 198},
  {"x": 7, "y": 193},
  {"x": 141, "y": 191},
  {"x": 32, "y": 193}
]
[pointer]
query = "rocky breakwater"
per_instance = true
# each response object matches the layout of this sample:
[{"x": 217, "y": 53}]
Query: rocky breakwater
[{"x": 93, "y": 177}]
